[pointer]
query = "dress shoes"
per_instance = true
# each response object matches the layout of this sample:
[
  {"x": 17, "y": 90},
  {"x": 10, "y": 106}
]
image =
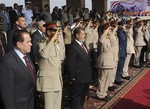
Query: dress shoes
[
  {"x": 127, "y": 77},
  {"x": 106, "y": 98},
  {"x": 118, "y": 82},
  {"x": 111, "y": 88},
  {"x": 122, "y": 82},
  {"x": 137, "y": 66}
]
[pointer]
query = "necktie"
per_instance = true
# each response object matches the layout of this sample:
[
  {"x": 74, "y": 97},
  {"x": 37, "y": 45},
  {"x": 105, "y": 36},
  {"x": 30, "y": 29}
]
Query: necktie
[
  {"x": 29, "y": 66},
  {"x": 85, "y": 50},
  {"x": 83, "y": 47}
]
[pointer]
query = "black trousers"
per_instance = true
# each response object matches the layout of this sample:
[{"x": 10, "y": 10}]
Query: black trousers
[
  {"x": 1, "y": 104},
  {"x": 144, "y": 49},
  {"x": 79, "y": 91}
]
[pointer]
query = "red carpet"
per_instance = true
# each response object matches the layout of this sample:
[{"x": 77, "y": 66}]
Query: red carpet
[{"x": 138, "y": 96}]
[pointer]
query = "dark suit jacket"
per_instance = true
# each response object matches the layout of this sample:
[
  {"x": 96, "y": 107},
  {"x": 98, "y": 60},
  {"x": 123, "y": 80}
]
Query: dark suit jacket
[
  {"x": 13, "y": 16},
  {"x": 36, "y": 37},
  {"x": 16, "y": 83},
  {"x": 10, "y": 35},
  {"x": 37, "y": 15},
  {"x": 78, "y": 64},
  {"x": 55, "y": 16},
  {"x": 122, "y": 42}
]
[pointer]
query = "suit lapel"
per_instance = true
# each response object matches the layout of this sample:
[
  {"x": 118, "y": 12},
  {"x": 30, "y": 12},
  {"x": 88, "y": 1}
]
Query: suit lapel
[
  {"x": 81, "y": 50},
  {"x": 39, "y": 35},
  {"x": 23, "y": 66}
]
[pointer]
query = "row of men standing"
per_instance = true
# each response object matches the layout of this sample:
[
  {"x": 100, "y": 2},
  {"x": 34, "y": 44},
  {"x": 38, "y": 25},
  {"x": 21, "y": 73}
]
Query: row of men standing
[
  {"x": 20, "y": 94},
  {"x": 117, "y": 47},
  {"x": 76, "y": 55}
]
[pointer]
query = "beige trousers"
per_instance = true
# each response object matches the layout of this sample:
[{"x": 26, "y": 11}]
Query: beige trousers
[
  {"x": 113, "y": 73},
  {"x": 126, "y": 65},
  {"x": 137, "y": 56},
  {"x": 52, "y": 100},
  {"x": 104, "y": 79}
]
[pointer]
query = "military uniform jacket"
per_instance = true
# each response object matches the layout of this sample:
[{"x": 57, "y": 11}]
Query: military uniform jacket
[
  {"x": 105, "y": 58},
  {"x": 130, "y": 41},
  {"x": 114, "y": 44},
  {"x": 139, "y": 37},
  {"x": 89, "y": 38},
  {"x": 49, "y": 76},
  {"x": 67, "y": 35}
]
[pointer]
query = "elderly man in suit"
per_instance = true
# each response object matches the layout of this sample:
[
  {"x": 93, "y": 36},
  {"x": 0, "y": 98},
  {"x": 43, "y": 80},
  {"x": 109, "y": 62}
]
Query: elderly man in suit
[
  {"x": 17, "y": 77},
  {"x": 36, "y": 37},
  {"x": 49, "y": 80},
  {"x": 78, "y": 65}
]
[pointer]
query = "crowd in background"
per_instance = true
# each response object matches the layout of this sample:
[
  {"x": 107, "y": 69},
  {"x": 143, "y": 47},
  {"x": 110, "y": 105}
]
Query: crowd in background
[{"x": 77, "y": 43}]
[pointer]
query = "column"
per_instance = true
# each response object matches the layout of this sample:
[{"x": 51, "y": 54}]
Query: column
[
  {"x": 100, "y": 5},
  {"x": 76, "y": 3}
]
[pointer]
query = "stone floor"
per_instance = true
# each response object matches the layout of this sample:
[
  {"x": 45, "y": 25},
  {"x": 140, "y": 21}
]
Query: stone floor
[{"x": 92, "y": 103}]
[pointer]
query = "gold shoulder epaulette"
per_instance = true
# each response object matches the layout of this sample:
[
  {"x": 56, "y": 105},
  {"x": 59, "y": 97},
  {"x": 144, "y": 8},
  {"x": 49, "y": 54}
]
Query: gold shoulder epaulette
[{"x": 42, "y": 40}]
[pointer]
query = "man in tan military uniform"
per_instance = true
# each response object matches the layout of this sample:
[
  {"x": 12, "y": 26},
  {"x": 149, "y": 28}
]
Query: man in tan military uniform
[
  {"x": 130, "y": 48},
  {"x": 115, "y": 49},
  {"x": 49, "y": 78},
  {"x": 139, "y": 43},
  {"x": 104, "y": 64}
]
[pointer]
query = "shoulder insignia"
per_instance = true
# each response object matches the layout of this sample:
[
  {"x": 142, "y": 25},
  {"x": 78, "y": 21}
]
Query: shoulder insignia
[{"x": 42, "y": 40}]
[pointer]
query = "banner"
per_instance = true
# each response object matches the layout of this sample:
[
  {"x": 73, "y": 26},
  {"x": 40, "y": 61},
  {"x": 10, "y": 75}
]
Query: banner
[{"x": 131, "y": 6}]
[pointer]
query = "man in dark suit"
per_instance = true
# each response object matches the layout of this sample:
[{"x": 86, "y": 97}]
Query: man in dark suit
[
  {"x": 13, "y": 14},
  {"x": 55, "y": 14},
  {"x": 20, "y": 24},
  {"x": 122, "y": 52},
  {"x": 36, "y": 37},
  {"x": 37, "y": 14},
  {"x": 78, "y": 65},
  {"x": 17, "y": 78}
]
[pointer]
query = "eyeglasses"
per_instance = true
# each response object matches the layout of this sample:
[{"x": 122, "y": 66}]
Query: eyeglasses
[{"x": 54, "y": 30}]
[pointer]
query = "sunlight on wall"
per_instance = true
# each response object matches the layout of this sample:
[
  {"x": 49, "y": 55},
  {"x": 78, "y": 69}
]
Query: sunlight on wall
[
  {"x": 58, "y": 3},
  {"x": 88, "y": 4},
  {"x": 11, "y": 2}
]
